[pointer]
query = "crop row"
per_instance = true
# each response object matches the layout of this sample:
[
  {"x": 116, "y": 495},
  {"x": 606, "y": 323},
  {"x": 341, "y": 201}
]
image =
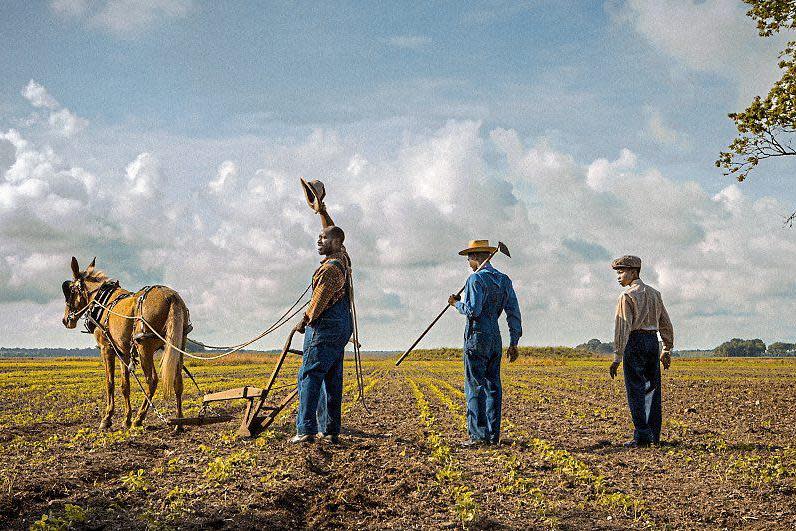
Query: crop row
[
  {"x": 449, "y": 474},
  {"x": 563, "y": 462}
]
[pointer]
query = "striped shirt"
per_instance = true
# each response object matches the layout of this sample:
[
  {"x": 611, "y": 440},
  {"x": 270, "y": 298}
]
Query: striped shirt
[{"x": 328, "y": 285}]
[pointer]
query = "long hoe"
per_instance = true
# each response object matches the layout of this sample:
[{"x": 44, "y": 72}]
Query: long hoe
[{"x": 500, "y": 247}]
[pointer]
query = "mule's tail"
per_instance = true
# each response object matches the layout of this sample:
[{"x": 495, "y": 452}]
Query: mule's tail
[{"x": 175, "y": 337}]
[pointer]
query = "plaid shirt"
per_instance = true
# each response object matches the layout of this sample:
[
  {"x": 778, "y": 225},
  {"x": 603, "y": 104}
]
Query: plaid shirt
[{"x": 328, "y": 285}]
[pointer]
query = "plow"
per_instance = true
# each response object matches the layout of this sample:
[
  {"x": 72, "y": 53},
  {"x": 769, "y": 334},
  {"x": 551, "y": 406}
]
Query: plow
[{"x": 260, "y": 408}]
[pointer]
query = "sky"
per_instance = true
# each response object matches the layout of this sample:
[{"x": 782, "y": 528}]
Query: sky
[{"x": 167, "y": 138}]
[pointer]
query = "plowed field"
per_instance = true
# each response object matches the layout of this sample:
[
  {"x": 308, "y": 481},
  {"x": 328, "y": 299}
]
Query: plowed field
[{"x": 728, "y": 460}]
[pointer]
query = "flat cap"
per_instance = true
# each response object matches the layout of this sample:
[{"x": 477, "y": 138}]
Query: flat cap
[{"x": 626, "y": 261}]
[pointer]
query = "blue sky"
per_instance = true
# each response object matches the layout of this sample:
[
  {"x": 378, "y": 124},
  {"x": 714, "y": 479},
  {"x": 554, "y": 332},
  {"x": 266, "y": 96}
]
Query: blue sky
[{"x": 428, "y": 121}]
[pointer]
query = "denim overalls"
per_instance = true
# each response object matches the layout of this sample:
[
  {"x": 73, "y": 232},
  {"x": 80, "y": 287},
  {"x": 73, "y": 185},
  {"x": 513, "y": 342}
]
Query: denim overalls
[{"x": 320, "y": 378}]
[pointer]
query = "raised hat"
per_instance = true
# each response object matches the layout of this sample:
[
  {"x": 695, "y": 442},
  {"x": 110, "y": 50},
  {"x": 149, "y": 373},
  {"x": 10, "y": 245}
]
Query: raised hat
[
  {"x": 314, "y": 192},
  {"x": 626, "y": 262},
  {"x": 477, "y": 246}
]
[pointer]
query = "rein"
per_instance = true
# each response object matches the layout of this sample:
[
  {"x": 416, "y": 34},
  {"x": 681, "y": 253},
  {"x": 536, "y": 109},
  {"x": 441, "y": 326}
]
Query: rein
[{"x": 102, "y": 297}]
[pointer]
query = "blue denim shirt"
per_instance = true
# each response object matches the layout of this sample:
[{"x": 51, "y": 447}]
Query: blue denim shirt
[{"x": 487, "y": 294}]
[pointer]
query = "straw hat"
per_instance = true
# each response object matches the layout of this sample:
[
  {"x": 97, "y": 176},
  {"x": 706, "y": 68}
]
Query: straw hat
[
  {"x": 477, "y": 246},
  {"x": 314, "y": 192}
]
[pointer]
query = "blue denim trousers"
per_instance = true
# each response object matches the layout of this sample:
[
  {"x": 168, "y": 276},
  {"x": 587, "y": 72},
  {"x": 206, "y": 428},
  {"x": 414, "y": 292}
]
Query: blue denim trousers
[
  {"x": 320, "y": 378},
  {"x": 643, "y": 385},
  {"x": 483, "y": 391}
]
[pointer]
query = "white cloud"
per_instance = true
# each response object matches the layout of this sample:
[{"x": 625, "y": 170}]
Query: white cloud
[
  {"x": 122, "y": 18},
  {"x": 61, "y": 120},
  {"x": 143, "y": 175},
  {"x": 709, "y": 36},
  {"x": 241, "y": 251},
  {"x": 225, "y": 178},
  {"x": 356, "y": 164},
  {"x": 657, "y": 130},
  {"x": 66, "y": 123},
  {"x": 408, "y": 42},
  {"x": 38, "y": 96},
  {"x": 601, "y": 172}
]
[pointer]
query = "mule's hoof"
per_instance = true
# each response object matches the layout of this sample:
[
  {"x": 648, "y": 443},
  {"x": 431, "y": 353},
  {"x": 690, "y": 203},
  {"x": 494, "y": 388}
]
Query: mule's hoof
[
  {"x": 105, "y": 424},
  {"x": 179, "y": 428},
  {"x": 127, "y": 424},
  {"x": 137, "y": 423}
]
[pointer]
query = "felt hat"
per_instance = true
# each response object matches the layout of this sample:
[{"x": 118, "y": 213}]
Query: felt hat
[
  {"x": 627, "y": 262},
  {"x": 477, "y": 246},
  {"x": 314, "y": 192}
]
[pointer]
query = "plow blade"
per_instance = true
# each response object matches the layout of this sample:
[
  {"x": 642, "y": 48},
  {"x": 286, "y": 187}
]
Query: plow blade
[{"x": 251, "y": 424}]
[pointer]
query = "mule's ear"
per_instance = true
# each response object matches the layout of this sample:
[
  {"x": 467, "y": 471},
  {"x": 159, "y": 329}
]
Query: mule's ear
[
  {"x": 75, "y": 268},
  {"x": 91, "y": 265}
]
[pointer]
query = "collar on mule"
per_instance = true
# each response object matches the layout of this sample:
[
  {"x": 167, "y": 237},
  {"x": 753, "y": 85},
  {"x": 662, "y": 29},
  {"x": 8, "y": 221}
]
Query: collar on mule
[{"x": 95, "y": 304}]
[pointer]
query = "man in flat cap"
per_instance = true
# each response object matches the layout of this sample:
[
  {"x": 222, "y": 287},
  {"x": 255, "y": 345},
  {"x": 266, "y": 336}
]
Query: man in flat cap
[
  {"x": 640, "y": 317},
  {"x": 487, "y": 294},
  {"x": 327, "y": 325}
]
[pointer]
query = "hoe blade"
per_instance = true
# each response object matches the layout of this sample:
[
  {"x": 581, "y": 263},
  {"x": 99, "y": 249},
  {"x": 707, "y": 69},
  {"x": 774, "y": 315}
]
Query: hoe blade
[{"x": 503, "y": 249}]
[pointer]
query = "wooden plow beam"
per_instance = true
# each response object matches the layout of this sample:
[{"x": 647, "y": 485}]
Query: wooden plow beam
[{"x": 252, "y": 422}]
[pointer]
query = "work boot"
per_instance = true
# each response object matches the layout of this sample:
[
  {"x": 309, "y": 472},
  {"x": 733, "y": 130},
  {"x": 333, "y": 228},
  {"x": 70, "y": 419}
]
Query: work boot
[
  {"x": 472, "y": 443},
  {"x": 328, "y": 438},
  {"x": 302, "y": 438}
]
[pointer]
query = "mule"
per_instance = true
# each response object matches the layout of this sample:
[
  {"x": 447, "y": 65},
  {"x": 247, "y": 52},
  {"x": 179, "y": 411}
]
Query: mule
[{"x": 120, "y": 332}]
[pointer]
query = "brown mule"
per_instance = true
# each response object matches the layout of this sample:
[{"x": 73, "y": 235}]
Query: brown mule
[{"x": 121, "y": 332}]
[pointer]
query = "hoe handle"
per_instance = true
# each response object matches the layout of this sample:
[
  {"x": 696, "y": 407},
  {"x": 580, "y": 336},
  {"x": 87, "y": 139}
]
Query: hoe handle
[{"x": 405, "y": 354}]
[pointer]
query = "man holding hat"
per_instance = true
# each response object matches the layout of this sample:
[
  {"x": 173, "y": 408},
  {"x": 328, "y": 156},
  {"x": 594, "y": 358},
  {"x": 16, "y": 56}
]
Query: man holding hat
[
  {"x": 640, "y": 316},
  {"x": 327, "y": 325},
  {"x": 487, "y": 294}
]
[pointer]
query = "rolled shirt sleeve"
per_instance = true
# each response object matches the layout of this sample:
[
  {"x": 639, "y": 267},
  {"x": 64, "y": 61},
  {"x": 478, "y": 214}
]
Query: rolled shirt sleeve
[
  {"x": 470, "y": 306},
  {"x": 666, "y": 329},
  {"x": 513, "y": 316},
  {"x": 623, "y": 326}
]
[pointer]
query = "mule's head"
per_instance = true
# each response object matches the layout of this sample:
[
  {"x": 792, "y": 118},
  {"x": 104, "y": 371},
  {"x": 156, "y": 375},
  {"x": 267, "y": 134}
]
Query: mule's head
[{"x": 76, "y": 293}]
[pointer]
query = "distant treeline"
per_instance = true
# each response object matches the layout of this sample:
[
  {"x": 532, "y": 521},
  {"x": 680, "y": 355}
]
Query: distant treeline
[
  {"x": 733, "y": 348},
  {"x": 754, "y": 347},
  {"x": 48, "y": 352},
  {"x": 533, "y": 352},
  {"x": 94, "y": 352}
]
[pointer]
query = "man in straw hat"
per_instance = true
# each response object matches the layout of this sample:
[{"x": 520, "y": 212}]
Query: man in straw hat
[
  {"x": 640, "y": 316},
  {"x": 327, "y": 326},
  {"x": 487, "y": 294}
]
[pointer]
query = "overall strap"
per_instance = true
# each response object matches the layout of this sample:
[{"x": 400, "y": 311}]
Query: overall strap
[{"x": 343, "y": 269}]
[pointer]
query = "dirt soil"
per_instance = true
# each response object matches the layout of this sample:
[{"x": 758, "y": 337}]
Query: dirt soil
[{"x": 728, "y": 460}]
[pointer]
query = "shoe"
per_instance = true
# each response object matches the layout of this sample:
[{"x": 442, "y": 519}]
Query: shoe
[
  {"x": 472, "y": 443},
  {"x": 328, "y": 438},
  {"x": 302, "y": 438},
  {"x": 635, "y": 444}
]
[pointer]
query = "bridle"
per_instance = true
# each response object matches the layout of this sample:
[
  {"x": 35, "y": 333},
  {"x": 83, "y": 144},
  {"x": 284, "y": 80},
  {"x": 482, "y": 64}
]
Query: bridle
[{"x": 80, "y": 288}]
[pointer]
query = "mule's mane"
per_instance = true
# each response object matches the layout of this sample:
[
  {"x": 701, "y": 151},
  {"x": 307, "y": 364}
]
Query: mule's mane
[{"x": 95, "y": 276}]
